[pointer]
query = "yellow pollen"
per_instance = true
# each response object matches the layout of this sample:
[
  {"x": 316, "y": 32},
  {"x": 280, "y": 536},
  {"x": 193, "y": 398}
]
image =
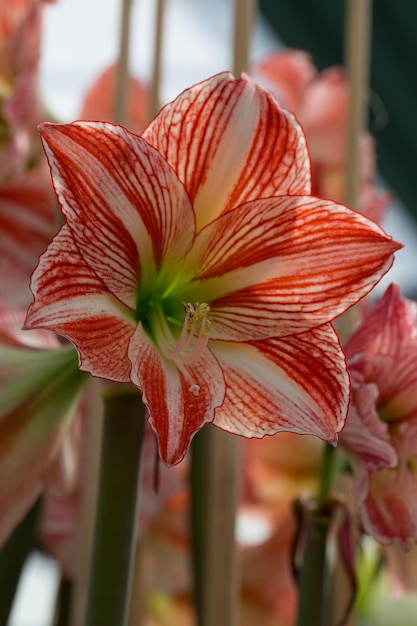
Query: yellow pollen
[{"x": 198, "y": 321}]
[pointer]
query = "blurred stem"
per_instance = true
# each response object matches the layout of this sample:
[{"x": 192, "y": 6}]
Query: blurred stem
[
  {"x": 63, "y": 602},
  {"x": 215, "y": 497},
  {"x": 198, "y": 514},
  {"x": 327, "y": 473},
  {"x": 116, "y": 521},
  {"x": 313, "y": 573},
  {"x": 312, "y": 582},
  {"x": 13, "y": 555}
]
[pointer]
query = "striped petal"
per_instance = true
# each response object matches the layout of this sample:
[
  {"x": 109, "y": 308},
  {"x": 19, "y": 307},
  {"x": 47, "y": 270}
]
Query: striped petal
[
  {"x": 299, "y": 384},
  {"x": 230, "y": 142},
  {"x": 390, "y": 327},
  {"x": 280, "y": 266},
  {"x": 127, "y": 210},
  {"x": 366, "y": 436},
  {"x": 72, "y": 301},
  {"x": 180, "y": 400}
]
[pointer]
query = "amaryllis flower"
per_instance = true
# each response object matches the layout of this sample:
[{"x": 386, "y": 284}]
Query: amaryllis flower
[
  {"x": 381, "y": 430},
  {"x": 195, "y": 263},
  {"x": 40, "y": 390}
]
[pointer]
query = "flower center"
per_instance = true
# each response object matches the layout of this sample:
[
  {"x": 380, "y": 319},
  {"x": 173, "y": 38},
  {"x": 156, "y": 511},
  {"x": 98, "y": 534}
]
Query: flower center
[{"x": 192, "y": 341}]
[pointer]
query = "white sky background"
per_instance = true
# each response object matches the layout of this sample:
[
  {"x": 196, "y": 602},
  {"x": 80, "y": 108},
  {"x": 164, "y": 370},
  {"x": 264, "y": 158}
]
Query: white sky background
[{"x": 81, "y": 39}]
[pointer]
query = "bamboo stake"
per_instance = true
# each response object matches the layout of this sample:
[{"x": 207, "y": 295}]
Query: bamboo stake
[
  {"x": 220, "y": 597},
  {"x": 244, "y": 18},
  {"x": 121, "y": 95},
  {"x": 358, "y": 39},
  {"x": 357, "y": 60},
  {"x": 154, "y": 96}
]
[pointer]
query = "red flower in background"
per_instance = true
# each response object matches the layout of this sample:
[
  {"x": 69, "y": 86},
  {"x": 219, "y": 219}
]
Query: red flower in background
[{"x": 98, "y": 103}]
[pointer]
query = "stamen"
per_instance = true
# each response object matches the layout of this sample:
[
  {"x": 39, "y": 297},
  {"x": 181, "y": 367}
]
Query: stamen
[{"x": 194, "y": 335}]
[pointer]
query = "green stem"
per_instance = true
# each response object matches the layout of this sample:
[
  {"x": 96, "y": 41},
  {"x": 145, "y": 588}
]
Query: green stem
[
  {"x": 327, "y": 473},
  {"x": 215, "y": 495},
  {"x": 311, "y": 597},
  {"x": 198, "y": 515},
  {"x": 115, "y": 534},
  {"x": 13, "y": 555},
  {"x": 312, "y": 577},
  {"x": 63, "y": 602}
]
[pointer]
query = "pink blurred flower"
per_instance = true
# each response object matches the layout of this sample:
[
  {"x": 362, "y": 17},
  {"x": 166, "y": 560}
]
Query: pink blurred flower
[
  {"x": 20, "y": 105},
  {"x": 98, "y": 102},
  {"x": 320, "y": 102},
  {"x": 381, "y": 430},
  {"x": 27, "y": 225}
]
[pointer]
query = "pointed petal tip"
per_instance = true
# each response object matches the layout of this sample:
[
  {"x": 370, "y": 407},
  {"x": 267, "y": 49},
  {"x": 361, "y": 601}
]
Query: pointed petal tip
[
  {"x": 45, "y": 127},
  {"x": 396, "y": 245}
]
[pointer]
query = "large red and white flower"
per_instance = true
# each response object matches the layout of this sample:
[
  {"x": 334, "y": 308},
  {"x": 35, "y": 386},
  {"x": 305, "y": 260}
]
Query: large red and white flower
[{"x": 195, "y": 263}]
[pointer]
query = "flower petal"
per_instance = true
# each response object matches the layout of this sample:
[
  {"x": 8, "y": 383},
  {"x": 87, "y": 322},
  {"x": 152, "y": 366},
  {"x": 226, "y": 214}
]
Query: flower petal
[
  {"x": 230, "y": 142},
  {"x": 389, "y": 510},
  {"x": 126, "y": 208},
  {"x": 388, "y": 329},
  {"x": 299, "y": 384},
  {"x": 72, "y": 301},
  {"x": 180, "y": 400},
  {"x": 365, "y": 435},
  {"x": 279, "y": 266}
]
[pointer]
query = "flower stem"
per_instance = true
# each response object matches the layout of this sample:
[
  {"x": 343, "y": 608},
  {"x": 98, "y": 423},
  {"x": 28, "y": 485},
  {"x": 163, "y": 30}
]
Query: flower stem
[
  {"x": 311, "y": 593},
  {"x": 13, "y": 555},
  {"x": 115, "y": 534},
  {"x": 311, "y": 583},
  {"x": 327, "y": 473},
  {"x": 216, "y": 470}
]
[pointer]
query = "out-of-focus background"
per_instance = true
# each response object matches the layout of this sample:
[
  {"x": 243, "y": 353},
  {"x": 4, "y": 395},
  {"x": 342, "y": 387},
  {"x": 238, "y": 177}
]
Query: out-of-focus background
[{"x": 81, "y": 39}]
